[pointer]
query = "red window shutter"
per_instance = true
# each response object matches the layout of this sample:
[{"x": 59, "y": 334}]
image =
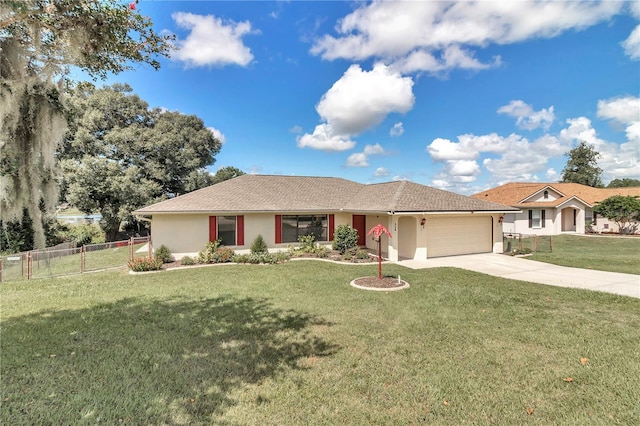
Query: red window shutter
[
  {"x": 240, "y": 230},
  {"x": 278, "y": 229},
  {"x": 332, "y": 226},
  {"x": 213, "y": 228}
]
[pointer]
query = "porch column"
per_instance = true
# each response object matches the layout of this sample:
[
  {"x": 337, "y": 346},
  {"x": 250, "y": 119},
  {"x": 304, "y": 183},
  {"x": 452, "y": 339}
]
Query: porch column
[{"x": 392, "y": 247}]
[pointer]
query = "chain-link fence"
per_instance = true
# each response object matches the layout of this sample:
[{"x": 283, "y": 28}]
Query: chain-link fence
[
  {"x": 68, "y": 260},
  {"x": 515, "y": 243}
]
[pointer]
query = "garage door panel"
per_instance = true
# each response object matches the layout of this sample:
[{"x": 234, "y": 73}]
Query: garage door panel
[{"x": 450, "y": 236}]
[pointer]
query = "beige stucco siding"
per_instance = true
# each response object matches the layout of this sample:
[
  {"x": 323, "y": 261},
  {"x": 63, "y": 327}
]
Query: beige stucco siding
[
  {"x": 259, "y": 224},
  {"x": 181, "y": 233}
]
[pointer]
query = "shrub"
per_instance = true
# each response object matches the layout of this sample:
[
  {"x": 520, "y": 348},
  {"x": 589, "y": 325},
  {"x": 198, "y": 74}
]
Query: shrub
[
  {"x": 522, "y": 251},
  {"x": 307, "y": 243},
  {"x": 259, "y": 258},
  {"x": 321, "y": 251},
  {"x": 223, "y": 255},
  {"x": 259, "y": 246},
  {"x": 163, "y": 254},
  {"x": 82, "y": 234},
  {"x": 187, "y": 260},
  {"x": 345, "y": 238},
  {"x": 207, "y": 255},
  {"x": 143, "y": 264},
  {"x": 362, "y": 255},
  {"x": 241, "y": 258}
]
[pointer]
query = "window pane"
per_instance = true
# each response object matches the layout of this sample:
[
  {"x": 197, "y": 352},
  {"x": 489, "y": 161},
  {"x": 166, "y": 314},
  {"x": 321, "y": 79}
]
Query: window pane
[
  {"x": 535, "y": 222},
  {"x": 295, "y": 226},
  {"x": 289, "y": 229},
  {"x": 316, "y": 225},
  {"x": 227, "y": 230}
]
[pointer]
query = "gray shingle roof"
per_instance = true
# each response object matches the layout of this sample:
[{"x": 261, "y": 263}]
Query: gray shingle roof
[{"x": 265, "y": 193}]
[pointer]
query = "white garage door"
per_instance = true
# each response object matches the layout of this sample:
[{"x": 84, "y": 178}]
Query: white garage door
[{"x": 449, "y": 236}]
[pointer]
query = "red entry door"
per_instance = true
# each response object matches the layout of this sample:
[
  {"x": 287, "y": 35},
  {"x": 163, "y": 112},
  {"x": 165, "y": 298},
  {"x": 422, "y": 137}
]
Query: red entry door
[{"x": 360, "y": 224}]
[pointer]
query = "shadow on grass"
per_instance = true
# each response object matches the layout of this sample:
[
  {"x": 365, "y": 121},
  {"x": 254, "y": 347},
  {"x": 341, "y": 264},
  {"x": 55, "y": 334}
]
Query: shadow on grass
[{"x": 176, "y": 362}]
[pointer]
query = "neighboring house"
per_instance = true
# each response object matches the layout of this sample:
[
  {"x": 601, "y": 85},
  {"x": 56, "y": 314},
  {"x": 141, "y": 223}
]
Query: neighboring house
[
  {"x": 423, "y": 221},
  {"x": 553, "y": 208}
]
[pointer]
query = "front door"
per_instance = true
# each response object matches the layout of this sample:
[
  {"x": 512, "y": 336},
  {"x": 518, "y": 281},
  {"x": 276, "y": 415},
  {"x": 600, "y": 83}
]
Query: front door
[{"x": 360, "y": 224}]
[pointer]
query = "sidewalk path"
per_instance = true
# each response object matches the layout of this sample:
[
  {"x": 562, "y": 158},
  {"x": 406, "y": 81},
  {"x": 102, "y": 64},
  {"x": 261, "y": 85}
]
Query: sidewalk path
[{"x": 516, "y": 268}]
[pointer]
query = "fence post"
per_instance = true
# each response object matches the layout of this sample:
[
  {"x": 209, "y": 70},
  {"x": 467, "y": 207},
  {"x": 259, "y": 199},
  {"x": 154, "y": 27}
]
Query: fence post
[
  {"x": 83, "y": 265},
  {"x": 130, "y": 244},
  {"x": 0, "y": 269},
  {"x": 29, "y": 265},
  {"x": 550, "y": 245},
  {"x": 535, "y": 243},
  {"x": 150, "y": 247}
]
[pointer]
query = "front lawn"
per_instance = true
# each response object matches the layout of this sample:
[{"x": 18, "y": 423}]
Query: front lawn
[
  {"x": 295, "y": 344},
  {"x": 602, "y": 253}
]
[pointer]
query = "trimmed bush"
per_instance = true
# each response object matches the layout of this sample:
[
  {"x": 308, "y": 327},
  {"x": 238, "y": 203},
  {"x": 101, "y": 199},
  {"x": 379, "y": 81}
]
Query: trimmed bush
[
  {"x": 187, "y": 261},
  {"x": 345, "y": 238},
  {"x": 259, "y": 246},
  {"x": 163, "y": 254},
  {"x": 143, "y": 264},
  {"x": 262, "y": 258}
]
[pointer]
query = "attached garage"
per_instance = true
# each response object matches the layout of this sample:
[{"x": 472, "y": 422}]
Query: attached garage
[{"x": 450, "y": 236}]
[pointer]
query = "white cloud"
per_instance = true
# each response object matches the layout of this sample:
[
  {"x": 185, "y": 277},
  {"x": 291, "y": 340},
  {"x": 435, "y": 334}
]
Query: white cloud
[
  {"x": 617, "y": 160},
  {"x": 633, "y": 132},
  {"x": 358, "y": 101},
  {"x": 361, "y": 99},
  {"x": 468, "y": 146},
  {"x": 515, "y": 158},
  {"x": 217, "y": 134},
  {"x": 552, "y": 175},
  {"x": 323, "y": 138},
  {"x": 632, "y": 44},
  {"x": 413, "y": 32},
  {"x": 361, "y": 159},
  {"x": 211, "y": 42},
  {"x": 397, "y": 130},
  {"x": 623, "y": 110},
  {"x": 511, "y": 158},
  {"x": 381, "y": 172},
  {"x": 358, "y": 159},
  {"x": 296, "y": 129},
  {"x": 526, "y": 117}
]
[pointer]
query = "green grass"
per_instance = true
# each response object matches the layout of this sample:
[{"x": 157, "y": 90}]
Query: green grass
[
  {"x": 295, "y": 344},
  {"x": 609, "y": 253}
]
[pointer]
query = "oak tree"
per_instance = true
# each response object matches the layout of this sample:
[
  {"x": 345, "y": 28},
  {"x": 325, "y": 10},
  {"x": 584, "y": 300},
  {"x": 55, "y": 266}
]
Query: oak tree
[
  {"x": 40, "y": 40},
  {"x": 582, "y": 166}
]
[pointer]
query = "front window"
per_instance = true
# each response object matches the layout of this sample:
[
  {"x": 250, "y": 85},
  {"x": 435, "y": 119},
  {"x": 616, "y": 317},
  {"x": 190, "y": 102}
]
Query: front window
[
  {"x": 536, "y": 221},
  {"x": 227, "y": 230},
  {"x": 295, "y": 226}
]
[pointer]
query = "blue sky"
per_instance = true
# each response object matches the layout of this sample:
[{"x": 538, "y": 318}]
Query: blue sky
[{"x": 460, "y": 96}]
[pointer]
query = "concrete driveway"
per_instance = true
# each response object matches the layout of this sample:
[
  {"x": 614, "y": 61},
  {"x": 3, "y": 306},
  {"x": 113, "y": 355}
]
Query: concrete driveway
[{"x": 517, "y": 268}]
